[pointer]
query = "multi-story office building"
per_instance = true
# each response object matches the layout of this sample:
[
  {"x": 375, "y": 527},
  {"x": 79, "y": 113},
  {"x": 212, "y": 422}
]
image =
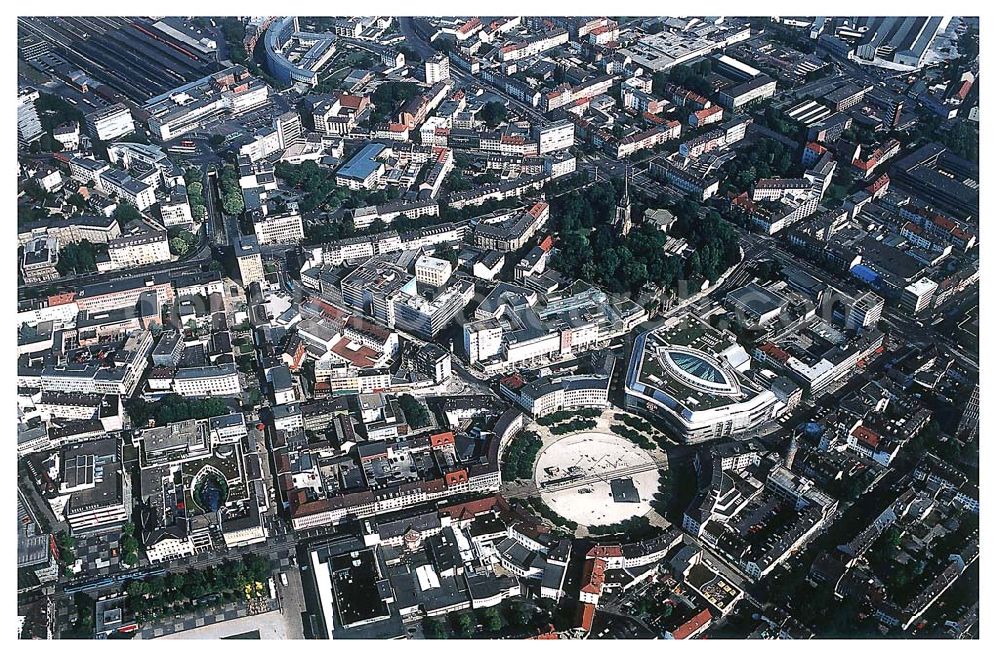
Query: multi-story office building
[
  {"x": 739, "y": 95},
  {"x": 120, "y": 293},
  {"x": 41, "y": 256},
  {"x": 433, "y": 271},
  {"x": 120, "y": 184},
  {"x": 97, "y": 487},
  {"x": 248, "y": 259},
  {"x": 29, "y": 127},
  {"x": 110, "y": 122},
  {"x": 436, "y": 69},
  {"x": 553, "y": 393},
  {"x": 483, "y": 339},
  {"x": 141, "y": 244},
  {"x": 386, "y": 291},
  {"x": 511, "y": 232},
  {"x": 208, "y": 381},
  {"x": 175, "y": 209},
  {"x": 289, "y": 128},
  {"x": 285, "y": 228},
  {"x": 227, "y": 93},
  {"x": 918, "y": 295},
  {"x": 87, "y": 170},
  {"x": 426, "y": 315},
  {"x": 693, "y": 378},
  {"x": 555, "y": 136},
  {"x": 865, "y": 312},
  {"x": 364, "y": 170}
]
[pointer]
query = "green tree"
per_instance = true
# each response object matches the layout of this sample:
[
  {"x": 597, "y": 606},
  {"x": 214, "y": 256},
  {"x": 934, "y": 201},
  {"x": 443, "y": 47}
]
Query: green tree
[
  {"x": 416, "y": 414},
  {"x": 232, "y": 203},
  {"x": 178, "y": 246},
  {"x": 76, "y": 200},
  {"x": 464, "y": 624},
  {"x": 176, "y": 580},
  {"x": 491, "y": 619},
  {"x": 125, "y": 212},
  {"x": 494, "y": 113},
  {"x": 435, "y": 628}
]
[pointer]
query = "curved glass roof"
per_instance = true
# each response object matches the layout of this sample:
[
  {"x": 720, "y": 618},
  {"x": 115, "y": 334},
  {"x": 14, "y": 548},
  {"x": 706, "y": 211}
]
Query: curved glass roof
[{"x": 697, "y": 367}]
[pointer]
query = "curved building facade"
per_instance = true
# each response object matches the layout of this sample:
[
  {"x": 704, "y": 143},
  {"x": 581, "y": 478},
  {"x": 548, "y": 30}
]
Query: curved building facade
[
  {"x": 316, "y": 50},
  {"x": 689, "y": 376}
]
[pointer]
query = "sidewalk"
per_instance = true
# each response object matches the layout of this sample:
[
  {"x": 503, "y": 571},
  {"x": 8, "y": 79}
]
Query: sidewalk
[{"x": 195, "y": 620}]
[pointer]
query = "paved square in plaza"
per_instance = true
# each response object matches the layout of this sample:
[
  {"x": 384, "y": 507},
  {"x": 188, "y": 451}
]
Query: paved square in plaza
[{"x": 574, "y": 477}]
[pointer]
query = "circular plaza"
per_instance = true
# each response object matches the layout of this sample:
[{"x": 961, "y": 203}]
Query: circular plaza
[{"x": 596, "y": 478}]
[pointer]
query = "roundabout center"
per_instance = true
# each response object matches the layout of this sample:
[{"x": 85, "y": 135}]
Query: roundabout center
[{"x": 596, "y": 478}]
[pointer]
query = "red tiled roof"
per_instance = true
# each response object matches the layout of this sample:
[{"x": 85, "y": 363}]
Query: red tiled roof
[
  {"x": 593, "y": 576},
  {"x": 695, "y": 624},
  {"x": 605, "y": 551},
  {"x": 587, "y": 612},
  {"x": 866, "y": 436},
  {"x": 774, "y": 352}
]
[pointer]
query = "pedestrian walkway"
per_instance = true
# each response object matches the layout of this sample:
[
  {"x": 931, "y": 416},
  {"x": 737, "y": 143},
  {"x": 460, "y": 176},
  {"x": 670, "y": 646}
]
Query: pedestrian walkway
[{"x": 195, "y": 620}]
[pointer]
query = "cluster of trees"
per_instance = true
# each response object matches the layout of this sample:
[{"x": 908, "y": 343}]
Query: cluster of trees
[
  {"x": 968, "y": 44},
  {"x": 83, "y": 627},
  {"x": 634, "y": 436},
  {"x": 125, "y": 212},
  {"x": 577, "y": 425},
  {"x": 779, "y": 122},
  {"x": 173, "y": 408},
  {"x": 509, "y": 618},
  {"x": 560, "y": 416},
  {"x": 963, "y": 139},
  {"x": 689, "y": 77},
  {"x": 320, "y": 190},
  {"x": 176, "y": 592},
  {"x": 315, "y": 183},
  {"x": 626, "y": 265},
  {"x": 792, "y": 38},
  {"x": 79, "y": 257},
  {"x": 455, "y": 181},
  {"x": 389, "y": 96},
  {"x": 519, "y": 462},
  {"x": 232, "y": 31},
  {"x": 416, "y": 414},
  {"x": 653, "y": 608},
  {"x": 229, "y": 185},
  {"x": 616, "y": 264},
  {"x": 583, "y": 211},
  {"x": 768, "y": 158},
  {"x": 181, "y": 241},
  {"x": 28, "y": 213},
  {"x": 636, "y": 423},
  {"x": 662, "y": 497},
  {"x": 635, "y": 528},
  {"x": 493, "y": 113},
  {"x": 550, "y": 514},
  {"x": 129, "y": 545},
  {"x": 53, "y": 111},
  {"x": 196, "y": 193},
  {"x": 66, "y": 544},
  {"x": 77, "y": 201}
]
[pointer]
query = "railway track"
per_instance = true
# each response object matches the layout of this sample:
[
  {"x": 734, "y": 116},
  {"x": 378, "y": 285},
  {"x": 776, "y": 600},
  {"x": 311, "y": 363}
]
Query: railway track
[{"x": 604, "y": 476}]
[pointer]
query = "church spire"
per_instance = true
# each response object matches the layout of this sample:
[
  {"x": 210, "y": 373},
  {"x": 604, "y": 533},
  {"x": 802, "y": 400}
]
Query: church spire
[{"x": 623, "y": 211}]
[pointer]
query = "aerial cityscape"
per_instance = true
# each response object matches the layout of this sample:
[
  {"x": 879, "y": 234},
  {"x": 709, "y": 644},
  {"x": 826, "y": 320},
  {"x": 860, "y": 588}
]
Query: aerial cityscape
[{"x": 493, "y": 327}]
